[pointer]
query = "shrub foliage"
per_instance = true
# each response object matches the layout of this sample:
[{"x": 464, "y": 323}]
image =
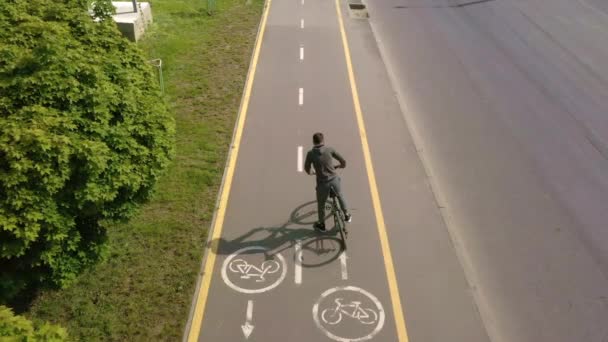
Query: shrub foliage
[
  {"x": 84, "y": 135},
  {"x": 18, "y": 328}
]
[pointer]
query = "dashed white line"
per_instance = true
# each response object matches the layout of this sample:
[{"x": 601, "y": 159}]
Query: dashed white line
[
  {"x": 298, "y": 277},
  {"x": 301, "y": 53},
  {"x": 302, "y": 2},
  {"x": 343, "y": 258},
  {"x": 301, "y": 23},
  {"x": 301, "y": 97},
  {"x": 300, "y": 159}
]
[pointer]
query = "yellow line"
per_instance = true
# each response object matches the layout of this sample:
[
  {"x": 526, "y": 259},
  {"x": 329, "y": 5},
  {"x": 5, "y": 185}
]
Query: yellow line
[
  {"x": 386, "y": 250},
  {"x": 201, "y": 300}
]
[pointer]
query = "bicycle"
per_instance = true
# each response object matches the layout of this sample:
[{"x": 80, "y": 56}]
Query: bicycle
[
  {"x": 333, "y": 205},
  {"x": 249, "y": 271},
  {"x": 353, "y": 310},
  {"x": 338, "y": 214}
]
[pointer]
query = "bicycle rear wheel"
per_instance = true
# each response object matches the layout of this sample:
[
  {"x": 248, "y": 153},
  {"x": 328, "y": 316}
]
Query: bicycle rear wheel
[{"x": 339, "y": 222}]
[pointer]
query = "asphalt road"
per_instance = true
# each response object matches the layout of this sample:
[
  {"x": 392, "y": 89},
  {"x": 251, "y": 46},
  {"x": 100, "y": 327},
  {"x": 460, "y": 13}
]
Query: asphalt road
[
  {"x": 508, "y": 102},
  {"x": 477, "y": 177}
]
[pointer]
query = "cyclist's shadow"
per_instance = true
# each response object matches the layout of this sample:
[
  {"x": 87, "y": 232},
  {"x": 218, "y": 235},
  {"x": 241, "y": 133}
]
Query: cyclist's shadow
[{"x": 325, "y": 246}]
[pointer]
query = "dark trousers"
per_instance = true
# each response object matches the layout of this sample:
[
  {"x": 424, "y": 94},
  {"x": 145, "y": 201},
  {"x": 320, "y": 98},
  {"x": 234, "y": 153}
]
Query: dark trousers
[{"x": 323, "y": 192}]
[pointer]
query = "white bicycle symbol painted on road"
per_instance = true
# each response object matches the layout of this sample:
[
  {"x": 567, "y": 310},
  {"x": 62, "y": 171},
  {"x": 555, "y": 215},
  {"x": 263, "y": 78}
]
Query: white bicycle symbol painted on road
[
  {"x": 249, "y": 271},
  {"x": 353, "y": 310},
  {"x": 348, "y": 304}
]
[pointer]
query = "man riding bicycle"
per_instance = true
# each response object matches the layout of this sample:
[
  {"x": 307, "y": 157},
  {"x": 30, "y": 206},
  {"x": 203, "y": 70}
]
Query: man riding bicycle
[{"x": 321, "y": 157}]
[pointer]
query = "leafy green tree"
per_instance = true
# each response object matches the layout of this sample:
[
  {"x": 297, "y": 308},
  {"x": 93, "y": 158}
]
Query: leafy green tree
[
  {"x": 18, "y": 329},
  {"x": 84, "y": 135},
  {"x": 103, "y": 9}
]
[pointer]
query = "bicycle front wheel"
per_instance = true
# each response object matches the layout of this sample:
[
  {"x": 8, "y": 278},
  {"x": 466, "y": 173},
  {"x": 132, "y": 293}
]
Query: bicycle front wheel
[
  {"x": 331, "y": 317},
  {"x": 371, "y": 317}
]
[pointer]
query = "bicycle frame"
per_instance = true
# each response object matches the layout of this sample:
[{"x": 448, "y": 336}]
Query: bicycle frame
[
  {"x": 355, "y": 306},
  {"x": 249, "y": 271}
]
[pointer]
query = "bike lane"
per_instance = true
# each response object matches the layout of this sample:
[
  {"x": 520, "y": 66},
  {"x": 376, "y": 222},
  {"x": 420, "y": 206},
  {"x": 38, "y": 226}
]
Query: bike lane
[{"x": 271, "y": 277}]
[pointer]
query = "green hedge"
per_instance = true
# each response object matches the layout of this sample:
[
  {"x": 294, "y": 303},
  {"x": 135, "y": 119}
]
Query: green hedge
[
  {"x": 18, "y": 329},
  {"x": 84, "y": 135}
]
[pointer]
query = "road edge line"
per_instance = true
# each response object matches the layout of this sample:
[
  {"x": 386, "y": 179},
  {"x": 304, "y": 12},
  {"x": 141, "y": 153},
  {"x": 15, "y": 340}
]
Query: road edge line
[
  {"x": 195, "y": 320},
  {"x": 386, "y": 251}
]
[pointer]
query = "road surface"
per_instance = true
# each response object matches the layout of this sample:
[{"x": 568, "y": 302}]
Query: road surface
[
  {"x": 475, "y": 140},
  {"x": 508, "y": 102}
]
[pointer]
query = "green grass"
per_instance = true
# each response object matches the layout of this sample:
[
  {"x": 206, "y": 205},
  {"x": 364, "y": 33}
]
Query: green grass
[{"x": 143, "y": 290}]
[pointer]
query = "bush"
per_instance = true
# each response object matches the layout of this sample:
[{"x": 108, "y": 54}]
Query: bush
[
  {"x": 17, "y": 328},
  {"x": 103, "y": 9},
  {"x": 84, "y": 135}
]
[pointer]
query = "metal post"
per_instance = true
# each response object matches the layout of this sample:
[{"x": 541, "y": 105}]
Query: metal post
[
  {"x": 211, "y": 7},
  {"x": 135, "y": 6},
  {"x": 158, "y": 63},
  {"x": 160, "y": 76}
]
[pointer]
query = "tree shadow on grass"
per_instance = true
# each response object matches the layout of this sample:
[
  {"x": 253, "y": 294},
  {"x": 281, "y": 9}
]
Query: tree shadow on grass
[{"x": 22, "y": 302}]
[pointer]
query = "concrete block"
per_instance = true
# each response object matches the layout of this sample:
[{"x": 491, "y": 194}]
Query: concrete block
[{"x": 132, "y": 24}]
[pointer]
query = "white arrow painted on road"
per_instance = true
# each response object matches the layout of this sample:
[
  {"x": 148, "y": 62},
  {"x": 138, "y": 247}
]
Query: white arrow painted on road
[
  {"x": 248, "y": 327},
  {"x": 343, "y": 258}
]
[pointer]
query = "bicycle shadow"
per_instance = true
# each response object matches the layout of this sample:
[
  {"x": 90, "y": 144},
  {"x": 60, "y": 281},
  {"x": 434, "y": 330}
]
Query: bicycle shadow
[{"x": 285, "y": 236}]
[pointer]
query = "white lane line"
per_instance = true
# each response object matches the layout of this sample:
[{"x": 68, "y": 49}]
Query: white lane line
[
  {"x": 301, "y": 23},
  {"x": 302, "y": 2},
  {"x": 301, "y": 97},
  {"x": 298, "y": 278},
  {"x": 300, "y": 159},
  {"x": 343, "y": 258},
  {"x": 301, "y": 53}
]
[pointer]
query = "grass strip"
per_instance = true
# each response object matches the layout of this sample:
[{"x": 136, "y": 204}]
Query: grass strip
[{"x": 142, "y": 291}]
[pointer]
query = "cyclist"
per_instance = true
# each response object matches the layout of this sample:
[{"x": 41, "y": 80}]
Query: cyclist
[{"x": 321, "y": 157}]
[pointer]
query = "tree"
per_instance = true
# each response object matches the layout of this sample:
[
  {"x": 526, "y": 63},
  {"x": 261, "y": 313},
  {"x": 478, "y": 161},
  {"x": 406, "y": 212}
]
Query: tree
[
  {"x": 103, "y": 9},
  {"x": 18, "y": 328},
  {"x": 84, "y": 135}
]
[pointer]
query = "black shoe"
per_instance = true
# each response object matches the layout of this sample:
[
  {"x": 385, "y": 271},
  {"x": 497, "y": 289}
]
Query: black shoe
[
  {"x": 348, "y": 217},
  {"x": 319, "y": 226}
]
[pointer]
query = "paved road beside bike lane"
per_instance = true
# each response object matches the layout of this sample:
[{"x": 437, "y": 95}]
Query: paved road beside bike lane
[{"x": 436, "y": 295}]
